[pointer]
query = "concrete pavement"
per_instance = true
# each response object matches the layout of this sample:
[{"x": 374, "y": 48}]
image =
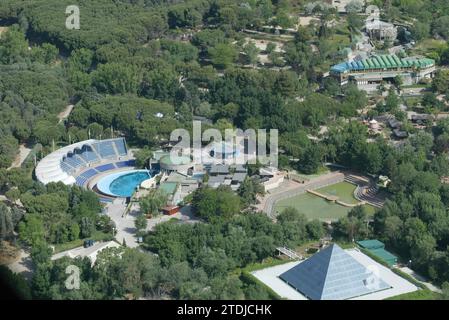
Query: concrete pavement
[{"x": 421, "y": 279}]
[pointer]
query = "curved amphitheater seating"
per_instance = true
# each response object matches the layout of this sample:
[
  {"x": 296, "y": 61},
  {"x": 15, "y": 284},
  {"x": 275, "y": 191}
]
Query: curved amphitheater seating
[{"x": 64, "y": 164}]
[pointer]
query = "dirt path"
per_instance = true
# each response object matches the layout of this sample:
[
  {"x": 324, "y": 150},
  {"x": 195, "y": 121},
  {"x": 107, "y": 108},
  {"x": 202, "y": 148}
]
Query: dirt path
[
  {"x": 23, "y": 265},
  {"x": 66, "y": 113},
  {"x": 23, "y": 154}
]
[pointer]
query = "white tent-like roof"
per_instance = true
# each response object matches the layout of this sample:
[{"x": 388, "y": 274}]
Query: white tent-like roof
[{"x": 49, "y": 169}]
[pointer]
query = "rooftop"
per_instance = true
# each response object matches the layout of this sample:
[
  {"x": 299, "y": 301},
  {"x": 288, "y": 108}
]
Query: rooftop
[
  {"x": 333, "y": 274},
  {"x": 219, "y": 169},
  {"x": 239, "y": 176},
  {"x": 382, "y": 62},
  {"x": 174, "y": 160},
  {"x": 371, "y": 244}
]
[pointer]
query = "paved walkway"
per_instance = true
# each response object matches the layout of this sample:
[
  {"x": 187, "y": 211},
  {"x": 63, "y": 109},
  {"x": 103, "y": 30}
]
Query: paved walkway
[
  {"x": 125, "y": 224},
  {"x": 421, "y": 279}
]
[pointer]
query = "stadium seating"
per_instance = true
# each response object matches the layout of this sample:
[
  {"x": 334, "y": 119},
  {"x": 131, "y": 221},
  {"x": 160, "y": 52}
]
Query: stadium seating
[
  {"x": 85, "y": 176},
  {"x": 105, "y": 149},
  {"x": 105, "y": 167},
  {"x": 73, "y": 161},
  {"x": 122, "y": 164},
  {"x": 89, "y": 155},
  {"x": 66, "y": 167},
  {"x": 120, "y": 146}
]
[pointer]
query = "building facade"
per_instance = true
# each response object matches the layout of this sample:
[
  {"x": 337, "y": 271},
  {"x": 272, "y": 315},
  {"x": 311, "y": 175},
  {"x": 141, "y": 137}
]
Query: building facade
[{"x": 376, "y": 69}]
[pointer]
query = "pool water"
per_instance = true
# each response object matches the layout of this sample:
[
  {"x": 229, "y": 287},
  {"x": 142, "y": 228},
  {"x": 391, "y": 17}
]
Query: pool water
[{"x": 125, "y": 185}]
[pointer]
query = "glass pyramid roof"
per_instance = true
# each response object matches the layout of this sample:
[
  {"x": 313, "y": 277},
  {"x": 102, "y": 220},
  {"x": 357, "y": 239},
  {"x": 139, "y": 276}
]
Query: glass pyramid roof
[{"x": 333, "y": 274}]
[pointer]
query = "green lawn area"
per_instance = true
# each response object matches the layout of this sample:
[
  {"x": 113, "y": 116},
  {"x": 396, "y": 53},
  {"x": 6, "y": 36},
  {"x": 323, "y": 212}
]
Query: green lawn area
[
  {"x": 343, "y": 190},
  {"x": 321, "y": 171},
  {"x": 315, "y": 207},
  {"x": 417, "y": 295},
  {"x": 427, "y": 46}
]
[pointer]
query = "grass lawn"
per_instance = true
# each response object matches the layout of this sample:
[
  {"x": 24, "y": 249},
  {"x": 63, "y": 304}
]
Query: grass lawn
[
  {"x": 267, "y": 263},
  {"x": 428, "y": 46},
  {"x": 417, "y": 295},
  {"x": 343, "y": 190},
  {"x": 315, "y": 207},
  {"x": 321, "y": 171}
]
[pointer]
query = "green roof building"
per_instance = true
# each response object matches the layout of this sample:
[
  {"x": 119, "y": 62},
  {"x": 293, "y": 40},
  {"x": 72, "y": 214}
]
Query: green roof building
[
  {"x": 377, "y": 248},
  {"x": 378, "y": 68}
]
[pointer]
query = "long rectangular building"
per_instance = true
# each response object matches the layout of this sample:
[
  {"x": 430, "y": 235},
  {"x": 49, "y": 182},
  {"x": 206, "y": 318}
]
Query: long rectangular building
[{"x": 376, "y": 69}]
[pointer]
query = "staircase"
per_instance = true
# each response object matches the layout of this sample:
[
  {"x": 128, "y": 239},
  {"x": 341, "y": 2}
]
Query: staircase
[{"x": 366, "y": 191}]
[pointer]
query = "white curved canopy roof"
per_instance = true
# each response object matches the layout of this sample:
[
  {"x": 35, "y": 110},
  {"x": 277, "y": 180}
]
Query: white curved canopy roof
[{"x": 49, "y": 169}]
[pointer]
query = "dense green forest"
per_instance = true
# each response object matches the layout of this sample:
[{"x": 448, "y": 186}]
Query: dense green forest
[{"x": 133, "y": 59}]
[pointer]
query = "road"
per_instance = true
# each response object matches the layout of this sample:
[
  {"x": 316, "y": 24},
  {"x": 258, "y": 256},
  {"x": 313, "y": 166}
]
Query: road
[
  {"x": 90, "y": 252},
  {"x": 125, "y": 225},
  {"x": 126, "y": 229}
]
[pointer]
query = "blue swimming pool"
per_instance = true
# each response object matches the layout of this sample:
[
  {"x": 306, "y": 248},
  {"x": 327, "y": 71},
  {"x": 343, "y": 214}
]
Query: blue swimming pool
[{"x": 122, "y": 184}]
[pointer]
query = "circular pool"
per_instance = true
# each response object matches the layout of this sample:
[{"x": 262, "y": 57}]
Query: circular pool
[{"x": 122, "y": 184}]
